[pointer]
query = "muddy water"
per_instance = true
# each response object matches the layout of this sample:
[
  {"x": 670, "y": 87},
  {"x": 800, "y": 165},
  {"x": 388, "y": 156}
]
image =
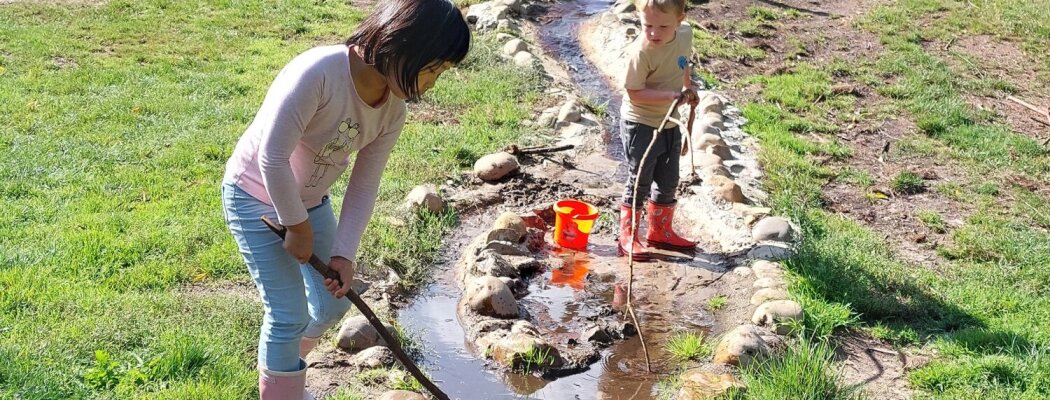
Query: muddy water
[
  {"x": 559, "y": 35},
  {"x": 559, "y": 301}
]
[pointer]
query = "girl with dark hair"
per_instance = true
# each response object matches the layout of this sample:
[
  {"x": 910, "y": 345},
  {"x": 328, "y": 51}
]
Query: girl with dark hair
[{"x": 326, "y": 104}]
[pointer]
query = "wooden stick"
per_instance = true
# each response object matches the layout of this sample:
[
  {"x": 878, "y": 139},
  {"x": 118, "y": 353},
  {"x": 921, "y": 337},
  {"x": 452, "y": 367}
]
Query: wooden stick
[
  {"x": 634, "y": 230},
  {"x": 1043, "y": 112},
  {"x": 391, "y": 341}
]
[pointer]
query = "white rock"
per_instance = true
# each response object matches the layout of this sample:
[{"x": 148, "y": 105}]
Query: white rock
[
  {"x": 569, "y": 113},
  {"x": 495, "y": 166},
  {"x": 767, "y": 269},
  {"x": 764, "y": 295},
  {"x": 772, "y": 228},
  {"x": 524, "y": 59},
  {"x": 357, "y": 334},
  {"x": 741, "y": 346},
  {"x": 763, "y": 283},
  {"x": 424, "y": 197},
  {"x": 742, "y": 271},
  {"x": 489, "y": 296},
  {"x": 486, "y": 16},
  {"x": 707, "y": 140},
  {"x": 513, "y": 46},
  {"x": 777, "y": 312},
  {"x": 373, "y": 357}
]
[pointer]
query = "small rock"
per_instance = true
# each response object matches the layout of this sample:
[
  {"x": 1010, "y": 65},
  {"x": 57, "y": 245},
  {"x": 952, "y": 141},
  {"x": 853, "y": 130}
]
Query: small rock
[
  {"x": 373, "y": 357},
  {"x": 772, "y": 251},
  {"x": 513, "y": 46},
  {"x": 631, "y": 32},
  {"x": 597, "y": 334},
  {"x": 767, "y": 269},
  {"x": 491, "y": 263},
  {"x": 777, "y": 311},
  {"x": 357, "y": 334},
  {"x": 704, "y": 160},
  {"x": 702, "y": 385},
  {"x": 495, "y": 166},
  {"x": 713, "y": 119},
  {"x": 503, "y": 235},
  {"x": 710, "y": 103},
  {"x": 763, "y": 283},
  {"x": 489, "y": 296},
  {"x": 713, "y": 170},
  {"x": 507, "y": 248},
  {"x": 510, "y": 349},
  {"x": 513, "y": 222},
  {"x": 401, "y": 395},
  {"x": 707, "y": 140},
  {"x": 720, "y": 151},
  {"x": 424, "y": 197},
  {"x": 741, "y": 346},
  {"x": 524, "y": 327},
  {"x": 742, "y": 271},
  {"x": 726, "y": 189},
  {"x": 624, "y": 6},
  {"x": 524, "y": 59},
  {"x": 772, "y": 228},
  {"x": 548, "y": 118},
  {"x": 569, "y": 113},
  {"x": 764, "y": 295}
]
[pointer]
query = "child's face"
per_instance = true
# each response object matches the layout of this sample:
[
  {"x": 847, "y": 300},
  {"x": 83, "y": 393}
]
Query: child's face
[
  {"x": 659, "y": 26},
  {"x": 427, "y": 78}
]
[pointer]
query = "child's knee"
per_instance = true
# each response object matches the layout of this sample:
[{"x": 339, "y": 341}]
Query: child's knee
[{"x": 289, "y": 328}]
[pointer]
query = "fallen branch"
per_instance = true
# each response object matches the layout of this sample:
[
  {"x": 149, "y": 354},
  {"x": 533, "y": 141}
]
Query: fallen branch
[{"x": 515, "y": 150}]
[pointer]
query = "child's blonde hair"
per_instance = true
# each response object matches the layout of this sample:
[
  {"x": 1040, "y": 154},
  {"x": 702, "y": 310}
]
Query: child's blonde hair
[{"x": 676, "y": 7}]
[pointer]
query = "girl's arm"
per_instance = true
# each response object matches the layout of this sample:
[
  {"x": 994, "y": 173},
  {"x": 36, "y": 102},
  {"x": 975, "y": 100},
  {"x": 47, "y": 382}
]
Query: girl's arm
[{"x": 290, "y": 103}]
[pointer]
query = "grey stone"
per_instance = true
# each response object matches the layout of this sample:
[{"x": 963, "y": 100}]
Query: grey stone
[
  {"x": 373, "y": 357},
  {"x": 767, "y": 294},
  {"x": 763, "y": 283},
  {"x": 424, "y": 197},
  {"x": 524, "y": 59},
  {"x": 777, "y": 312},
  {"x": 741, "y": 346},
  {"x": 569, "y": 113},
  {"x": 507, "y": 248},
  {"x": 357, "y": 334},
  {"x": 514, "y": 223},
  {"x": 490, "y": 263},
  {"x": 513, "y": 46},
  {"x": 489, "y": 296},
  {"x": 767, "y": 269},
  {"x": 495, "y": 166},
  {"x": 770, "y": 251},
  {"x": 772, "y": 228},
  {"x": 486, "y": 16},
  {"x": 710, "y": 103},
  {"x": 720, "y": 151}
]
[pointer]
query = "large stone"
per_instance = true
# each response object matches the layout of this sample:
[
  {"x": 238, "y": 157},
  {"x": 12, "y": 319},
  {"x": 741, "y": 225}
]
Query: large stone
[
  {"x": 703, "y": 385},
  {"x": 524, "y": 59},
  {"x": 772, "y": 251},
  {"x": 495, "y": 166},
  {"x": 357, "y": 334},
  {"x": 569, "y": 113},
  {"x": 713, "y": 170},
  {"x": 704, "y": 160},
  {"x": 776, "y": 313},
  {"x": 726, "y": 190},
  {"x": 767, "y": 294},
  {"x": 710, "y": 103},
  {"x": 401, "y": 395},
  {"x": 707, "y": 127},
  {"x": 763, "y": 283},
  {"x": 707, "y": 140},
  {"x": 507, "y": 248},
  {"x": 424, "y": 197},
  {"x": 742, "y": 272},
  {"x": 513, "y": 222},
  {"x": 721, "y": 151},
  {"x": 489, "y": 296},
  {"x": 741, "y": 346},
  {"x": 712, "y": 119},
  {"x": 772, "y": 228},
  {"x": 486, "y": 16},
  {"x": 767, "y": 269},
  {"x": 514, "y": 349},
  {"x": 548, "y": 117},
  {"x": 513, "y": 46},
  {"x": 373, "y": 357},
  {"x": 490, "y": 263}
]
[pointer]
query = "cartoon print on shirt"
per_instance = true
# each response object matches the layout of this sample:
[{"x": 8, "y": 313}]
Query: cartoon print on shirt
[{"x": 348, "y": 131}]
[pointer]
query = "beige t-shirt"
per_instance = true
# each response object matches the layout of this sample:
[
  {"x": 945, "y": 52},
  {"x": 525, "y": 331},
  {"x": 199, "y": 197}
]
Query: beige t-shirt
[{"x": 660, "y": 68}]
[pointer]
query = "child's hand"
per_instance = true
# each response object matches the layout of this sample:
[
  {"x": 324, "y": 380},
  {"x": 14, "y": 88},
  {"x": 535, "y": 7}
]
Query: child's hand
[
  {"x": 345, "y": 268},
  {"x": 299, "y": 241},
  {"x": 689, "y": 96}
]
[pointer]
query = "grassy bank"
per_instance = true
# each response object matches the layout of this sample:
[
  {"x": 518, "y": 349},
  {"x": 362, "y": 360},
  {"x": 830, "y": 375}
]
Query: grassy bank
[
  {"x": 115, "y": 265},
  {"x": 982, "y": 312}
]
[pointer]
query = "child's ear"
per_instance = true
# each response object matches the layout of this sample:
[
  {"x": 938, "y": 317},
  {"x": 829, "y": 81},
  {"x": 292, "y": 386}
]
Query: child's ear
[{"x": 681, "y": 18}]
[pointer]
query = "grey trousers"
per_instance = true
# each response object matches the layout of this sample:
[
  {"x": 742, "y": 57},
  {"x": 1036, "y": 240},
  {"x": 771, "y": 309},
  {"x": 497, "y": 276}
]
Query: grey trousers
[{"x": 660, "y": 174}]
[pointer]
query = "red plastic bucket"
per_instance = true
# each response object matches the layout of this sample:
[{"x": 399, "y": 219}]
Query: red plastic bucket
[{"x": 573, "y": 222}]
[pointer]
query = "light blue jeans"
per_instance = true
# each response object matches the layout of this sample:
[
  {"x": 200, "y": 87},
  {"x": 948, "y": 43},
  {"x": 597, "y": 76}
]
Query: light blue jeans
[{"x": 295, "y": 301}]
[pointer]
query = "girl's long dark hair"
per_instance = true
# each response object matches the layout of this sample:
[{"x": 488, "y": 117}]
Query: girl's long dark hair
[{"x": 405, "y": 36}]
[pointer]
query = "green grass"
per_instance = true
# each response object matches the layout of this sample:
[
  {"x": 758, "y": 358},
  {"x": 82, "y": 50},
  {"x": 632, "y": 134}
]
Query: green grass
[
  {"x": 118, "y": 121},
  {"x": 932, "y": 220},
  {"x": 689, "y": 346},
  {"x": 907, "y": 182},
  {"x": 803, "y": 372},
  {"x": 717, "y": 302}
]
